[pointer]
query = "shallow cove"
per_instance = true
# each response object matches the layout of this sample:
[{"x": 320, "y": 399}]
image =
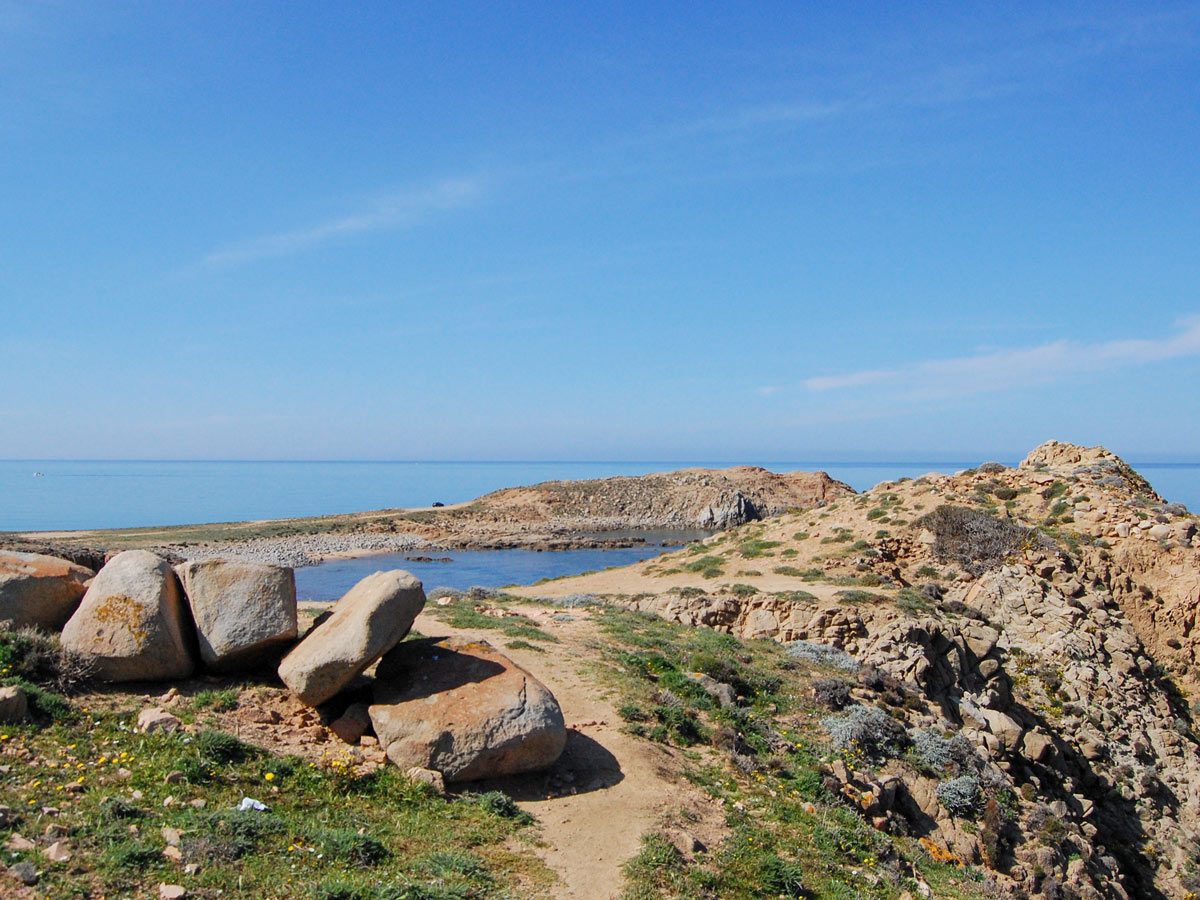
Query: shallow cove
[{"x": 329, "y": 580}]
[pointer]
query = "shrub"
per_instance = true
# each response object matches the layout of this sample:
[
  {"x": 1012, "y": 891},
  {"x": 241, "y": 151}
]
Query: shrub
[
  {"x": 991, "y": 468},
  {"x": 223, "y": 748},
  {"x": 974, "y": 540},
  {"x": 500, "y": 804},
  {"x": 347, "y": 845},
  {"x": 931, "y": 749},
  {"x": 831, "y": 692},
  {"x": 1003, "y": 492},
  {"x": 782, "y": 878},
  {"x": 37, "y": 658},
  {"x": 574, "y": 601},
  {"x": 743, "y": 590},
  {"x": 869, "y": 729},
  {"x": 960, "y": 796},
  {"x": 822, "y": 654}
]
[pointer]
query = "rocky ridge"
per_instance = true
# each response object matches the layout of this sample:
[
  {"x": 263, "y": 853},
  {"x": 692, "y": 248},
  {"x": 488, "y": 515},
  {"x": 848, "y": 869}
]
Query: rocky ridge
[{"x": 1043, "y": 617}]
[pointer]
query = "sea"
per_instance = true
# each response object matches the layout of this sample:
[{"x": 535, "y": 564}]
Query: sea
[{"x": 54, "y": 495}]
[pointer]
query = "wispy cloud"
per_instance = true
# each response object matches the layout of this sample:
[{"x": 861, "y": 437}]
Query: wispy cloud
[
  {"x": 1001, "y": 369},
  {"x": 395, "y": 210}
]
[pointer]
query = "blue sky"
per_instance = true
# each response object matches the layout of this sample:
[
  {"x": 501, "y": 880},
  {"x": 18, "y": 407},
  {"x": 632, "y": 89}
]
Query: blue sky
[{"x": 598, "y": 231}]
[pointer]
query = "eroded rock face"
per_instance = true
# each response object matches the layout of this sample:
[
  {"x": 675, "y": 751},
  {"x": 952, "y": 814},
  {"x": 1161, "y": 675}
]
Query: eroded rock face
[
  {"x": 371, "y": 619},
  {"x": 243, "y": 611},
  {"x": 38, "y": 590},
  {"x": 465, "y": 710},
  {"x": 133, "y": 622}
]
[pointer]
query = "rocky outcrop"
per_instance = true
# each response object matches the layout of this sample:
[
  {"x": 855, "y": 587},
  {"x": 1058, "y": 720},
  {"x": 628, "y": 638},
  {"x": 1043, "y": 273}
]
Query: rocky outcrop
[
  {"x": 244, "y": 612},
  {"x": 465, "y": 710},
  {"x": 133, "y": 623},
  {"x": 41, "y": 591},
  {"x": 368, "y": 621}
]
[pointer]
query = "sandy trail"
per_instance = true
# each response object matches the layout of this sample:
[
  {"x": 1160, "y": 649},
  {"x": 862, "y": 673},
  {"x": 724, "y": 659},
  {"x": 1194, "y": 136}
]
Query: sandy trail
[{"x": 609, "y": 787}]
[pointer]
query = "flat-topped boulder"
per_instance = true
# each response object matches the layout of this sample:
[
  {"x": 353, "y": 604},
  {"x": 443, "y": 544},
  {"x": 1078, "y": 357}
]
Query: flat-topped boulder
[
  {"x": 39, "y": 590},
  {"x": 371, "y": 619},
  {"x": 244, "y": 611},
  {"x": 465, "y": 710},
  {"x": 133, "y": 622}
]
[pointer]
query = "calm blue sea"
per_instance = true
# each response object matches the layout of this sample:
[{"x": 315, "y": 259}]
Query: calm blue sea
[{"x": 125, "y": 494}]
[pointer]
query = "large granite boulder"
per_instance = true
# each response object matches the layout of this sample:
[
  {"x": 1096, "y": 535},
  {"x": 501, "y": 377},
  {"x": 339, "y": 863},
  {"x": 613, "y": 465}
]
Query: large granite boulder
[
  {"x": 133, "y": 622},
  {"x": 465, "y": 710},
  {"x": 243, "y": 610},
  {"x": 371, "y": 619},
  {"x": 39, "y": 590}
]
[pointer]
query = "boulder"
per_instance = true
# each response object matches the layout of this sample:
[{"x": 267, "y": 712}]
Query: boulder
[
  {"x": 242, "y": 610},
  {"x": 371, "y": 619},
  {"x": 40, "y": 590},
  {"x": 133, "y": 622},
  {"x": 14, "y": 704},
  {"x": 155, "y": 719},
  {"x": 465, "y": 710}
]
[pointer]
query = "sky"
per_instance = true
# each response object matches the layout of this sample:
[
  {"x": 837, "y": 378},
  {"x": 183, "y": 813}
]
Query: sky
[{"x": 598, "y": 231}]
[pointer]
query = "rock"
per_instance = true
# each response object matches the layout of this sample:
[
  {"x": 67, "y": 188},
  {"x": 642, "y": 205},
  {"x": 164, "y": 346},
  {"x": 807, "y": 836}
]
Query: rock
[
  {"x": 171, "y": 892},
  {"x": 18, "y": 844},
  {"x": 723, "y": 693},
  {"x": 38, "y": 590},
  {"x": 352, "y": 724},
  {"x": 371, "y": 619},
  {"x": 14, "y": 705},
  {"x": 430, "y": 777},
  {"x": 465, "y": 710},
  {"x": 171, "y": 835},
  {"x": 133, "y": 622},
  {"x": 172, "y": 853},
  {"x": 242, "y": 610},
  {"x": 1037, "y": 746},
  {"x": 155, "y": 719},
  {"x": 175, "y": 776},
  {"x": 1004, "y": 727},
  {"x": 24, "y": 872},
  {"x": 59, "y": 851}
]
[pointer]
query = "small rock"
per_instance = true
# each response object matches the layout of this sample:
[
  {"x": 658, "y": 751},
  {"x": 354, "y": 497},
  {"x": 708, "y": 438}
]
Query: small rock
[
  {"x": 168, "y": 801},
  {"x": 55, "y": 830},
  {"x": 175, "y": 777},
  {"x": 25, "y": 872},
  {"x": 59, "y": 851},
  {"x": 352, "y": 724},
  {"x": 431, "y": 777},
  {"x": 137, "y": 795},
  {"x": 191, "y": 869},
  {"x": 171, "y": 892},
  {"x": 18, "y": 844},
  {"x": 124, "y": 774},
  {"x": 156, "y": 719},
  {"x": 172, "y": 835},
  {"x": 199, "y": 803},
  {"x": 174, "y": 854}
]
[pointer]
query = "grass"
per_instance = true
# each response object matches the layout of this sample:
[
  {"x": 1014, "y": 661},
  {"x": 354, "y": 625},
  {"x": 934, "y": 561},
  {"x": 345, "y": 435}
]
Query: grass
[
  {"x": 464, "y": 614},
  {"x": 329, "y": 831}
]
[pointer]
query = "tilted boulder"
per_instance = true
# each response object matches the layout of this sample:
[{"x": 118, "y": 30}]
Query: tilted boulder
[
  {"x": 242, "y": 610},
  {"x": 133, "y": 622},
  {"x": 39, "y": 590},
  {"x": 465, "y": 710},
  {"x": 371, "y": 619}
]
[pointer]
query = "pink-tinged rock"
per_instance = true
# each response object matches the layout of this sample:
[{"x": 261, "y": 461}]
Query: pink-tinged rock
[
  {"x": 465, "y": 710},
  {"x": 371, "y": 619},
  {"x": 133, "y": 622},
  {"x": 39, "y": 590},
  {"x": 244, "y": 611}
]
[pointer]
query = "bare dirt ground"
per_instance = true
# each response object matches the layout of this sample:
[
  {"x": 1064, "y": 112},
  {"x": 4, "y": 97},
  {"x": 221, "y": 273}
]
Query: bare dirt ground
[{"x": 608, "y": 788}]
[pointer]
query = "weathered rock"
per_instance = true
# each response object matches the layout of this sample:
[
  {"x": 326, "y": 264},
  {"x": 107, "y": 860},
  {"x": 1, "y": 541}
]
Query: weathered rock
[
  {"x": 371, "y": 619},
  {"x": 59, "y": 851},
  {"x": 465, "y": 710},
  {"x": 431, "y": 777},
  {"x": 14, "y": 705},
  {"x": 242, "y": 610},
  {"x": 351, "y": 725},
  {"x": 133, "y": 622},
  {"x": 25, "y": 872},
  {"x": 155, "y": 719},
  {"x": 39, "y": 590}
]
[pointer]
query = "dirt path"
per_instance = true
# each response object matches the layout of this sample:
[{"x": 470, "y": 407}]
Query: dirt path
[{"x": 609, "y": 787}]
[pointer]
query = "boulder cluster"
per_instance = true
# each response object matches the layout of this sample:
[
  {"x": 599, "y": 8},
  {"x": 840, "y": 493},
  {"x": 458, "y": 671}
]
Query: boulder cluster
[{"x": 449, "y": 710}]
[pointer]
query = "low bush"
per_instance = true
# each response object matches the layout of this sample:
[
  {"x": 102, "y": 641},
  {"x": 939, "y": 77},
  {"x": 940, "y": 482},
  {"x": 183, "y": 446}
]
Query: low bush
[
  {"x": 822, "y": 655},
  {"x": 960, "y": 796},
  {"x": 974, "y": 540},
  {"x": 832, "y": 692},
  {"x": 869, "y": 729}
]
